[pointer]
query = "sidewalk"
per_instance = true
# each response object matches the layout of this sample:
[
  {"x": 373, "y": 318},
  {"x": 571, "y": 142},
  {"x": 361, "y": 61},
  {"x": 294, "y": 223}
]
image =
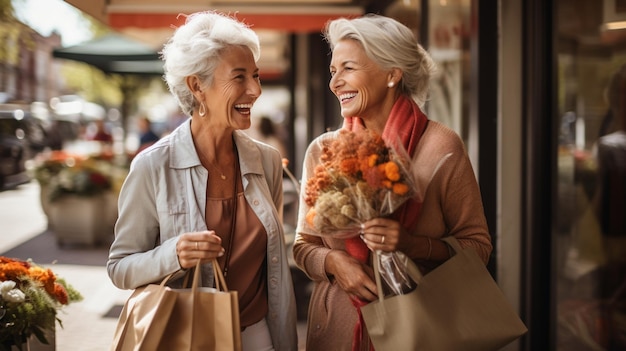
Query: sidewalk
[{"x": 85, "y": 327}]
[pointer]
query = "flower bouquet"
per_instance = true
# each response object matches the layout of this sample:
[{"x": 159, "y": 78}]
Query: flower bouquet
[
  {"x": 359, "y": 178},
  {"x": 30, "y": 298}
]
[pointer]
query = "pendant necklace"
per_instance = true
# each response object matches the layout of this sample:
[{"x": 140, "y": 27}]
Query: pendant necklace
[
  {"x": 212, "y": 165},
  {"x": 220, "y": 172}
]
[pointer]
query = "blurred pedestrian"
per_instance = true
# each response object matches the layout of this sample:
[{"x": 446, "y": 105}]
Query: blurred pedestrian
[
  {"x": 267, "y": 132},
  {"x": 100, "y": 132},
  {"x": 147, "y": 136}
]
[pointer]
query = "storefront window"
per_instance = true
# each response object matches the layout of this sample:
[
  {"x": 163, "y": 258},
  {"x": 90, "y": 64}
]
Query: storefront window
[
  {"x": 447, "y": 40},
  {"x": 590, "y": 236},
  {"x": 448, "y": 43}
]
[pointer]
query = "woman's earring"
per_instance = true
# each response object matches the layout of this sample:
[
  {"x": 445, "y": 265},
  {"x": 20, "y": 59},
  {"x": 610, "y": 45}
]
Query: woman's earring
[
  {"x": 390, "y": 84},
  {"x": 202, "y": 110}
]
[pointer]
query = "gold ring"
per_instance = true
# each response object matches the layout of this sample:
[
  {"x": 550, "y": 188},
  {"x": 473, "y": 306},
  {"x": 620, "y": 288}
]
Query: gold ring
[
  {"x": 197, "y": 246},
  {"x": 382, "y": 241}
]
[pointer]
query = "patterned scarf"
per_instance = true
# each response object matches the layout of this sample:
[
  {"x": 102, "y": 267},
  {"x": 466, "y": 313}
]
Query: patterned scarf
[{"x": 404, "y": 128}]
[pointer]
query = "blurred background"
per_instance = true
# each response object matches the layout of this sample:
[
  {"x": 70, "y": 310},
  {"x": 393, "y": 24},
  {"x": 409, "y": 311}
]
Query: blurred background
[{"x": 531, "y": 86}]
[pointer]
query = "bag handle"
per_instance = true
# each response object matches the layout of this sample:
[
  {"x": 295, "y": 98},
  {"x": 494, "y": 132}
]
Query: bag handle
[
  {"x": 411, "y": 267},
  {"x": 166, "y": 279},
  {"x": 379, "y": 286},
  {"x": 220, "y": 281},
  {"x": 453, "y": 243}
]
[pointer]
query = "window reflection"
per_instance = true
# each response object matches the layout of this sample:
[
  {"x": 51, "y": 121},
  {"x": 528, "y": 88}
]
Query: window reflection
[
  {"x": 448, "y": 33},
  {"x": 590, "y": 237},
  {"x": 448, "y": 43}
]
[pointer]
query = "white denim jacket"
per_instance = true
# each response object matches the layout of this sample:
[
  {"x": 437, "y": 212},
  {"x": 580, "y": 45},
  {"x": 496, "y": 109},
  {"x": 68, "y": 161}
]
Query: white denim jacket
[{"x": 164, "y": 195}]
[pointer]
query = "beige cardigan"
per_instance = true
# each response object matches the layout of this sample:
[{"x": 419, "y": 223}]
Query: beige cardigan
[{"x": 452, "y": 205}]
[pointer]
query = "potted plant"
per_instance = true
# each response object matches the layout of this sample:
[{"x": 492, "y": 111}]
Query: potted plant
[
  {"x": 79, "y": 194},
  {"x": 30, "y": 298}
]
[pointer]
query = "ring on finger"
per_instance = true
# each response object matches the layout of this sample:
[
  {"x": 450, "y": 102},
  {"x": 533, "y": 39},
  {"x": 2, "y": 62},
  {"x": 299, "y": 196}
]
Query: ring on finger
[
  {"x": 382, "y": 241},
  {"x": 197, "y": 246}
]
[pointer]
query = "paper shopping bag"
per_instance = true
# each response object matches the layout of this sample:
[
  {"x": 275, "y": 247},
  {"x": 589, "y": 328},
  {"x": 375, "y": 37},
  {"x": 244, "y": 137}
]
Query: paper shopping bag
[
  {"x": 203, "y": 318},
  {"x": 457, "y": 306},
  {"x": 144, "y": 318}
]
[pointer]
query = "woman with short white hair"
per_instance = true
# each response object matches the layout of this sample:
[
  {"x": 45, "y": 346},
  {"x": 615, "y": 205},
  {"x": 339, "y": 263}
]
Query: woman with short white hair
[{"x": 207, "y": 191}]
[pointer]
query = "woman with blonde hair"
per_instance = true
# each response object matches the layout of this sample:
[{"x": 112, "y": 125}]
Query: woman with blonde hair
[{"x": 380, "y": 76}]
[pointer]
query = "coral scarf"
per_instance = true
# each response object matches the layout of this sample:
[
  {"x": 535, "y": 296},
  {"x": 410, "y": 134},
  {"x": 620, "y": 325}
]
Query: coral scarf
[{"x": 404, "y": 128}]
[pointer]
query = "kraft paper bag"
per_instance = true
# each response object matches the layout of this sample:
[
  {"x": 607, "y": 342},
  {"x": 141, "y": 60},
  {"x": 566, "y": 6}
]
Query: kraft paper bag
[
  {"x": 457, "y": 306},
  {"x": 157, "y": 317},
  {"x": 143, "y": 318},
  {"x": 204, "y": 318}
]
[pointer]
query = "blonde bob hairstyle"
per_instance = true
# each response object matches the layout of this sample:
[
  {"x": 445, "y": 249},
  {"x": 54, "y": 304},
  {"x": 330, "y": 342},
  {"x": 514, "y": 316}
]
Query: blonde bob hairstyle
[
  {"x": 196, "y": 48},
  {"x": 390, "y": 44}
]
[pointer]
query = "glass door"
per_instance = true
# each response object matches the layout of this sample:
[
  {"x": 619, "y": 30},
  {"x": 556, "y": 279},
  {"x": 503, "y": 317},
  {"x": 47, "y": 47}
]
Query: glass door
[{"x": 589, "y": 241}]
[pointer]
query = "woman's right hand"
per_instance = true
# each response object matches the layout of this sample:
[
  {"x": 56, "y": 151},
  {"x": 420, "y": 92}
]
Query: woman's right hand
[
  {"x": 352, "y": 276},
  {"x": 203, "y": 246}
]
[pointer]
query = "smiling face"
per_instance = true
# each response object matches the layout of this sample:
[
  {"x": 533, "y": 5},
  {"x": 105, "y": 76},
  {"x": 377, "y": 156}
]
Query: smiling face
[
  {"x": 234, "y": 89},
  {"x": 359, "y": 83}
]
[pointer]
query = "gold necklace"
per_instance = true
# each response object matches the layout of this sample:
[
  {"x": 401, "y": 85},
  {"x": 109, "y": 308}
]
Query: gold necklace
[
  {"x": 202, "y": 156},
  {"x": 217, "y": 169}
]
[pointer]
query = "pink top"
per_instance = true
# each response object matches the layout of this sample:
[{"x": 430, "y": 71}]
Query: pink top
[{"x": 246, "y": 267}]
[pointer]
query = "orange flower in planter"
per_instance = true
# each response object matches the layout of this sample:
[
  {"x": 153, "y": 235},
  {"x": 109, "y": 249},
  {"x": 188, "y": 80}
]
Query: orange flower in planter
[
  {"x": 30, "y": 297},
  {"x": 65, "y": 173}
]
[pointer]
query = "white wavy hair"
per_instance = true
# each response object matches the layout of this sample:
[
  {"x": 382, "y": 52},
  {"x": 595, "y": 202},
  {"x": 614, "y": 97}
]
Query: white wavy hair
[
  {"x": 196, "y": 47},
  {"x": 390, "y": 44}
]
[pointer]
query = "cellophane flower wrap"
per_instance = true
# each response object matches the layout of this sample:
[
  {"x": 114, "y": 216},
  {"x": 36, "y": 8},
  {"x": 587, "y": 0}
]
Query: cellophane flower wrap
[
  {"x": 359, "y": 178},
  {"x": 30, "y": 299}
]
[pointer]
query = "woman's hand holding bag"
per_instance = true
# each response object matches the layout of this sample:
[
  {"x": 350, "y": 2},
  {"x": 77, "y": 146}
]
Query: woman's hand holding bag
[
  {"x": 457, "y": 306},
  {"x": 157, "y": 317}
]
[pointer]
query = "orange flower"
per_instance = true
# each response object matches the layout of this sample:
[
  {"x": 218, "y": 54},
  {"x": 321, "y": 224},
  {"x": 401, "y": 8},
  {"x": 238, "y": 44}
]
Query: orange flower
[
  {"x": 43, "y": 276},
  {"x": 400, "y": 189},
  {"x": 392, "y": 171},
  {"x": 60, "y": 293},
  {"x": 12, "y": 270},
  {"x": 310, "y": 216},
  {"x": 371, "y": 160},
  {"x": 359, "y": 178},
  {"x": 349, "y": 165}
]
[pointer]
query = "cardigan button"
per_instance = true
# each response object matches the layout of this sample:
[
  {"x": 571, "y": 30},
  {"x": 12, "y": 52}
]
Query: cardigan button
[
  {"x": 274, "y": 259},
  {"x": 256, "y": 202}
]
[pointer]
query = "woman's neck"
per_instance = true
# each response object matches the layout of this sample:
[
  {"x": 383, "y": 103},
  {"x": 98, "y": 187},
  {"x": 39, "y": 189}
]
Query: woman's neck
[{"x": 215, "y": 144}]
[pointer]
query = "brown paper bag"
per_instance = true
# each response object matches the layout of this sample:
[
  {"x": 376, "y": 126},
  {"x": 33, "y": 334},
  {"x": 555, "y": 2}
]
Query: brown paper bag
[
  {"x": 204, "y": 318},
  {"x": 157, "y": 317},
  {"x": 143, "y": 318},
  {"x": 457, "y": 306}
]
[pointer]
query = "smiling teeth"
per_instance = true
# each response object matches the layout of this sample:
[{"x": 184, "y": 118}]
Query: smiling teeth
[
  {"x": 243, "y": 106},
  {"x": 346, "y": 96}
]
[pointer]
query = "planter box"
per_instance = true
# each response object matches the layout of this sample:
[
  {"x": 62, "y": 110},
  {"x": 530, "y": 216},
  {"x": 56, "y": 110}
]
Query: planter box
[
  {"x": 34, "y": 345},
  {"x": 80, "y": 220}
]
